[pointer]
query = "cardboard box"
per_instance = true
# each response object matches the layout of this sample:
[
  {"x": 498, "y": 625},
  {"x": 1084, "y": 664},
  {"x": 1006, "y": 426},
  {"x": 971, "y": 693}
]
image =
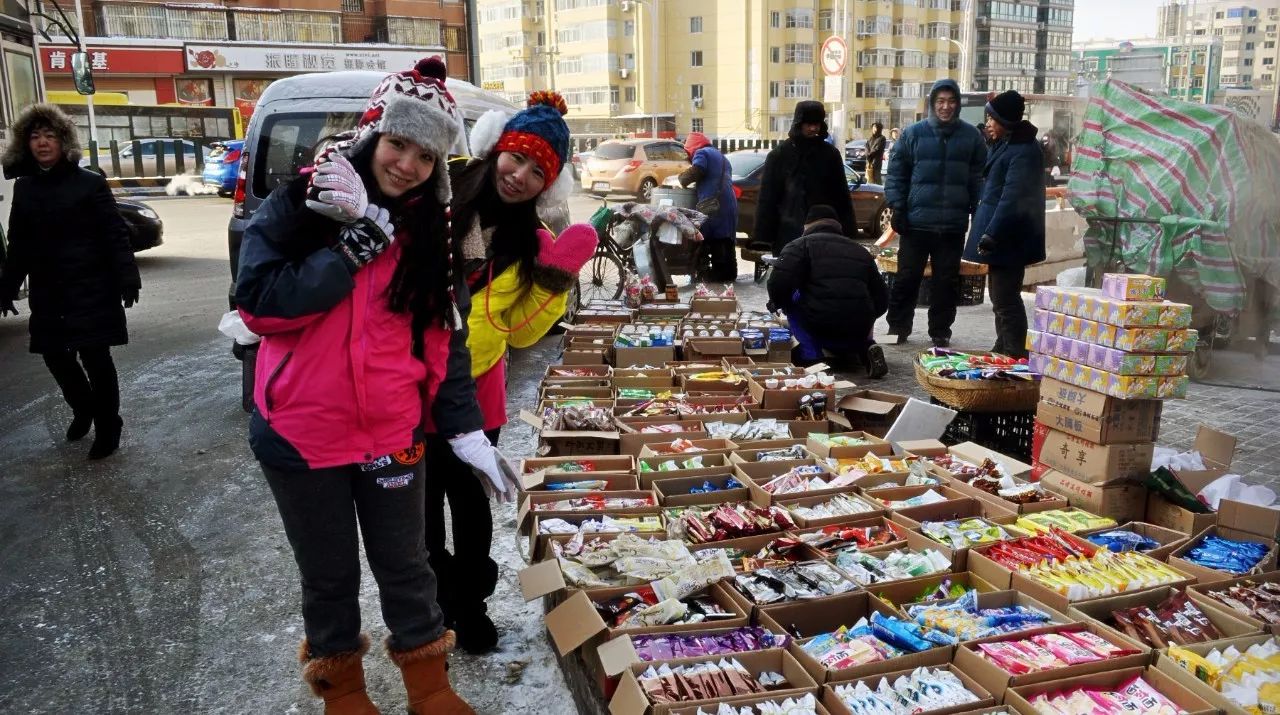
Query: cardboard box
[
  {"x": 789, "y": 501},
  {"x": 744, "y": 702},
  {"x": 1051, "y": 499},
  {"x": 789, "y": 399},
  {"x": 1186, "y": 679},
  {"x": 1200, "y": 594},
  {"x": 603, "y": 464},
  {"x": 537, "y": 480},
  {"x": 807, "y": 619},
  {"x": 980, "y": 564},
  {"x": 531, "y": 500},
  {"x": 537, "y": 542},
  {"x": 1122, "y": 501},
  {"x": 619, "y": 654},
  {"x": 629, "y": 698},
  {"x": 997, "y": 680},
  {"x": 572, "y": 392},
  {"x": 1099, "y": 610},
  {"x": 955, "y": 509},
  {"x": 717, "y": 305},
  {"x": 585, "y": 356},
  {"x": 713, "y": 349},
  {"x": 854, "y": 521},
  {"x": 871, "y": 411},
  {"x": 883, "y": 497},
  {"x": 1217, "y": 449},
  {"x": 874, "y": 445},
  {"x": 1096, "y": 417},
  {"x": 837, "y": 706},
  {"x": 714, "y": 465},
  {"x": 901, "y": 594},
  {"x": 976, "y": 454},
  {"x": 1036, "y": 590},
  {"x": 577, "y": 372},
  {"x": 626, "y": 356},
  {"x": 1187, "y": 701},
  {"x": 1090, "y": 462},
  {"x": 575, "y": 622},
  {"x": 675, "y": 492},
  {"x": 544, "y": 577},
  {"x": 632, "y": 439},
  {"x": 1239, "y": 522},
  {"x": 1167, "y": 538}
]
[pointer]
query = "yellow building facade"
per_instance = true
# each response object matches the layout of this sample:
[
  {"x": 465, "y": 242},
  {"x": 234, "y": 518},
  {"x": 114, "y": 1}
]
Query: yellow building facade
[{"x": 729, "y": 68}]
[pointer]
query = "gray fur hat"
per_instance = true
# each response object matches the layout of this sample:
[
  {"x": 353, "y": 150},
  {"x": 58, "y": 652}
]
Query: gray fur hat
[
  {"x": 17, "y": 155},
  {"x": 413, "y": 104}
]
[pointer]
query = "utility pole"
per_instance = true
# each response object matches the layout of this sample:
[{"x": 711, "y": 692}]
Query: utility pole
[{"x": 88, "y": 99}]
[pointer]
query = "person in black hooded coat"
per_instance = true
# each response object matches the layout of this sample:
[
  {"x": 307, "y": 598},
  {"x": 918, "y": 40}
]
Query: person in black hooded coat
[
  {"x": 66, "y": 235},
  {"x": 832, "y": 292},
  {"x": 801, "y": 172}
]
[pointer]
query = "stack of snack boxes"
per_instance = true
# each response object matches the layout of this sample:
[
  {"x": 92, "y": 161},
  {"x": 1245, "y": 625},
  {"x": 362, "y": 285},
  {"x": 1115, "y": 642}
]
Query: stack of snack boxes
[
  {"x": 1108, "y": 356},
  {"x": 604, "y": 508}
]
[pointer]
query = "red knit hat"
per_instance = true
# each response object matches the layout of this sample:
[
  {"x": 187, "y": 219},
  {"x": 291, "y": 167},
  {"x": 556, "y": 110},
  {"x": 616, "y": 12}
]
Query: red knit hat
[{"x": 539, "y": 132}]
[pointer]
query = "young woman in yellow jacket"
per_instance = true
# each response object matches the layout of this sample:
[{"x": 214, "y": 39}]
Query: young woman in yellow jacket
[{"x": 519, "y": 275}]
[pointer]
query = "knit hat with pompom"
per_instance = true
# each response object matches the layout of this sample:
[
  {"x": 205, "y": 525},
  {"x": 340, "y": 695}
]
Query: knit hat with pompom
[
  {"x": 413, "y": 104},
  {"x": 537, "y": 131}
]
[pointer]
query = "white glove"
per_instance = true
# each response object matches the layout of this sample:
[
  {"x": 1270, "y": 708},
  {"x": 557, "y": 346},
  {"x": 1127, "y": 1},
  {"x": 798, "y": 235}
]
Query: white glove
[
  {"x": 341, "y": 196},
  {"x": 500, "y": 479},
  {"x": 381, "y": 218}
]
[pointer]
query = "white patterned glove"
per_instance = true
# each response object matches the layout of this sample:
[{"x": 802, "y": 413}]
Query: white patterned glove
[
  {"x": 337, "y": 192},
  {"x": 500, "y": 479}
]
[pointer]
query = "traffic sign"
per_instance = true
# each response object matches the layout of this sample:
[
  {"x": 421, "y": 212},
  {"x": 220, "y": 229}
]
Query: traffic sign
[{"x": 834, "y": 55}]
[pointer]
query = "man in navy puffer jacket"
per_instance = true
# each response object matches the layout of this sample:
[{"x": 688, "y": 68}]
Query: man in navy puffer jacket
[{"x": 932, "y": 185}]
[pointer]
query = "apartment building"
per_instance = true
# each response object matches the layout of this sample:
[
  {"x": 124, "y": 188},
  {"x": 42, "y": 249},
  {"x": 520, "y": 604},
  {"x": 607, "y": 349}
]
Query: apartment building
[
  {"x": 1023, "y": 45},
  {"x": 730, "y": 68},
  {"x": 226, "y": 52},
  {"x": 1248, "y": 34},
  {"x": 1156, "y": 65}
]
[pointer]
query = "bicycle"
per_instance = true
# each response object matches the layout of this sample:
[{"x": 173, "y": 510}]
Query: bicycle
[{"x": 604, "y": 275}]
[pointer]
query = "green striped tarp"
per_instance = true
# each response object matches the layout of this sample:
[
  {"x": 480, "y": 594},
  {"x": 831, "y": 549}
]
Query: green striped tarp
[{"x": 1204, "y": 178}]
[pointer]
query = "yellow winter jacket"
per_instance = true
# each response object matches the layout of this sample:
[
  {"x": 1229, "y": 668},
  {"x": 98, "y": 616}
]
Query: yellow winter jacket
[{"x": 502, "y": 305}]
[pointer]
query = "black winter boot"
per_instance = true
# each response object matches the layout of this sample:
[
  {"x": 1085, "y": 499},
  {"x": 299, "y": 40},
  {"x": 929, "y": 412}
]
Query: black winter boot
[
  {"x": 106, "y": 437},
  {"x": 80, "y": 424},
  {"x": 476, "y": 633}
]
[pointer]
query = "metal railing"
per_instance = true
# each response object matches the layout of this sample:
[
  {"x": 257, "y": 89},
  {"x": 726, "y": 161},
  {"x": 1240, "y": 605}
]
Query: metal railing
[{"x": 170, "y": 158}]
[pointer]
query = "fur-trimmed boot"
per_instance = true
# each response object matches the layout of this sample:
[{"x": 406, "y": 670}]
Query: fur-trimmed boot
[
  {"x": 426, "y": 680},
  {"x": 339, "y": 679}
]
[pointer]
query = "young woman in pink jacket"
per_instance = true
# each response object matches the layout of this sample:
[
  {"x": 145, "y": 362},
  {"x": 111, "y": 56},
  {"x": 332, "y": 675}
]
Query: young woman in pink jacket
[{"x": 346, "y": 273}]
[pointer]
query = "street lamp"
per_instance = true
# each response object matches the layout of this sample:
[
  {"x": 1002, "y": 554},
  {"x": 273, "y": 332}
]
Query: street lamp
[{"x": 964, "y": 61}]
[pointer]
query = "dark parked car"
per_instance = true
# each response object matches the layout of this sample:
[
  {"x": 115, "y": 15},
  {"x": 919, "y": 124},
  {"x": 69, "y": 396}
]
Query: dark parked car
[
  {"x": 146, "y": 230},
  {"x": 855, "y": 155},
  {"x": 222, "y": 166},
  {"x": 869, "y": 208}
]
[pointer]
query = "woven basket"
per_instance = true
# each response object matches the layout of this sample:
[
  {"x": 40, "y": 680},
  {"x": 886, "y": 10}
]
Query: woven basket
[{"x": 980, "y": 395}]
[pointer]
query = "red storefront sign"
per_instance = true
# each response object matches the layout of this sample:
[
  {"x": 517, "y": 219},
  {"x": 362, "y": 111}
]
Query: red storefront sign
[{"x": 116, "y": 60}]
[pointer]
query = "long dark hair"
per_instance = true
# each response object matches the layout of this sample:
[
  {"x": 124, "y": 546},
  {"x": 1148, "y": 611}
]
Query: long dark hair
[
  {"x": 514, "y": 238},
  {"x": 421, "y": 282}
]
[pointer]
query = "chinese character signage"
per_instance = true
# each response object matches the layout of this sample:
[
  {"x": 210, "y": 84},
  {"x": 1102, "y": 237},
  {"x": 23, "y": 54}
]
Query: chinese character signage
[
  {"x": 116, "y": 60},
  {"x": 289, "y": 60}
]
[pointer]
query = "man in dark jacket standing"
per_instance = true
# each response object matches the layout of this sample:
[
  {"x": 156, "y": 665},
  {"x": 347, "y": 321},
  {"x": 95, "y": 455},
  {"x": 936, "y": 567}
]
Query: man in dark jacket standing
[
  {"x": 875, "y": 153},
  {"x": 832, "y": 293},
  {"x": 1008, "y": 228},
  {"x": 802, "y": 171},
  {"x": 932, "y": 186},
  {"x": 67, "y": 236}
]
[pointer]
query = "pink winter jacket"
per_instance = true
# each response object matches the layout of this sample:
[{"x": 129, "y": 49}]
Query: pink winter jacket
[{"x": 336, "y": 380}]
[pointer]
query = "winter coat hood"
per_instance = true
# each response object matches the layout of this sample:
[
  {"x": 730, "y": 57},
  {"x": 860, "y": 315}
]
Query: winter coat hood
[
  {"x": 1023, "y": 132},
  {"x": 948, "y": 84},
  {"x": 808, "y": 112},
  {"x": 694, "y": 142},
  {"x": 17, "y": 159}
]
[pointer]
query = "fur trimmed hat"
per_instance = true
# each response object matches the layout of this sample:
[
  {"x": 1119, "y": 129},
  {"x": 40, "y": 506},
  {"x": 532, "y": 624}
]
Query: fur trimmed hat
[
  {"x": 17, "y": 159},
  {"x": 413, "y": 104},
  {"x": 538, "y": 131}
]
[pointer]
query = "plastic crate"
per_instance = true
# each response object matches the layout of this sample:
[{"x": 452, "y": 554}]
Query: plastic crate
[
  {"x": 973, "y": 289},
  {"x": 1008, "y": 433}
]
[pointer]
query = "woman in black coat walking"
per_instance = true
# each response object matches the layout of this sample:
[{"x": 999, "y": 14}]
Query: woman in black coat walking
[{"x": 66, "y": 235}]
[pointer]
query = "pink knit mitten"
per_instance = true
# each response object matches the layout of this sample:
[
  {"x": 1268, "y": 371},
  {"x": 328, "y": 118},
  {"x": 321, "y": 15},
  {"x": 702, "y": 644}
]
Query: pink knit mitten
[{"x": 560, "y": 259}]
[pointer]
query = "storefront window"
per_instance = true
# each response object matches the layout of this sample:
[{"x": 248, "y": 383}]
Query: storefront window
[{"x": 195, "y": 90}]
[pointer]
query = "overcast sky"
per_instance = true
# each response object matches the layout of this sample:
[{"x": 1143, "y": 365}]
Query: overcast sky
[{"x": 1117, "y": 19}]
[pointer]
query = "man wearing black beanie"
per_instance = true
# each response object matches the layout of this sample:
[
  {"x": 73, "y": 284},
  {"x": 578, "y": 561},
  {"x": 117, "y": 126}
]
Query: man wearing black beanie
[{"x": 1007, "y": 232}]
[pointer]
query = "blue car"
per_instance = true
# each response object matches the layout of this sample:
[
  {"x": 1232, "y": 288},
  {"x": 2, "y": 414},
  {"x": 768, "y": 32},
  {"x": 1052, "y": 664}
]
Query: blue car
[{"x": 222, "y": 165}]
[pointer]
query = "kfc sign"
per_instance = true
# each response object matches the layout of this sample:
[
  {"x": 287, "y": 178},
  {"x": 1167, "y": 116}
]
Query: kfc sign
[{"x": 116, "y": 60}]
